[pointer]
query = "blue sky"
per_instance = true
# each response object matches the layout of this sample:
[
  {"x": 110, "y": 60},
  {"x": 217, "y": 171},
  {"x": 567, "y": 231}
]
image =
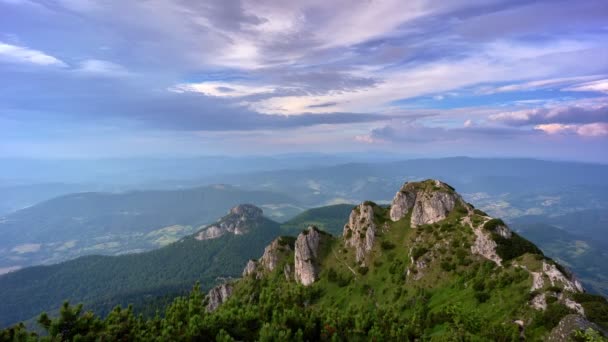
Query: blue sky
[{"x": 105, "y": 78}]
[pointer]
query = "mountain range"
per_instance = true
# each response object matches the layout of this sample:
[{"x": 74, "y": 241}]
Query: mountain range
[{"x": 428, "y": 267}]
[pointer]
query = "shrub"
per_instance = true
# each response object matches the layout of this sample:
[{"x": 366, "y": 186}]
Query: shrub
[
  {"x": 480, "y": 212},
  {"x": 362, "y": 270},
  {"x": 482, "y": 296},
  {"x": 511, "y": 248},
  {"x": 417, "y": 252},
  {"x": 387, "y": 245},
  {"x": 493, "y": 224}
]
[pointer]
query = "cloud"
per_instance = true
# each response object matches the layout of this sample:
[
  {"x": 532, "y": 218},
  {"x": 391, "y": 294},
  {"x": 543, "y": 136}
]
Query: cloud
[
  {"x": 19, "y": 54},
  {"x": 598, "y": 129},
  {"x": 558, "y": 114},
  {"x": 538, "y": 84},
  {"x": 96, "y": 67},
  {"x": 415, "y": 132},
  {"x": 600, "y": 86},
  {"x": 222, "y": 89}
]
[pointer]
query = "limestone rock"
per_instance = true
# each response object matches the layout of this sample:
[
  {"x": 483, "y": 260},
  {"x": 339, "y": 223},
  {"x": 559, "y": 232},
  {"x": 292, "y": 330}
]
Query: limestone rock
[
  {"x": 402, "y": 203},
  {"x": 432, "y": 207},
  {"x": 306, "y": 255},
  {"x": 237, "y": 222},
  {"x": 430, "y": 201},
  {"x": 250, "y": 268},
  {"x": 360, "y": 231},
  {"x": 218, "y": 295},
  {"x": 274, "y": 253},
  {"x": 567, "y": 326}
]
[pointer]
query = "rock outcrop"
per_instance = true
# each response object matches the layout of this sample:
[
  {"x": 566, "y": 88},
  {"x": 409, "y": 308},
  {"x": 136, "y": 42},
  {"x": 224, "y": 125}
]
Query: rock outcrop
[
  {"x": 277, "y": 251},
  {"x": 237, "y": 222},
  {"x": 360, "y": 231},
  {"x": 567, "y": 326},
  {"x": 218, "y": 295},
  {"x": 430, "y": 201},
  {"x": 306, "y": 256}
]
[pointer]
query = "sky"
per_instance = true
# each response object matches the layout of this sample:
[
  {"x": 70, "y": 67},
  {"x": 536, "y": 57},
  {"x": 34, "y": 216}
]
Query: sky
[{"x": 158, "y": 78}]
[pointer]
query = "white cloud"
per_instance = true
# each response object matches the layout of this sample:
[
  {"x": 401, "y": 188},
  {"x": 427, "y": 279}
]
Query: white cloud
[
  {"x": 596, "y": 86},
  {"x": 597, "y": 129},
  {"x": 538, "y": 84},
  {"x": 97, "y": 67},
  {"x": 222, "y": 89},
  {"x": 19, "y": 54}
]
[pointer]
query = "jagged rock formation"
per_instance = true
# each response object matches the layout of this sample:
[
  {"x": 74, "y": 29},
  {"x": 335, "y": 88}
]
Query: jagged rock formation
[
  {"x": 567, "y": 326},
  {"x": 237, "y": 222},
  {"x": 278, "y": 250},
  {"x": 484, "y": 245},
  {"x": 307, "y": 248},
  {"x": 550, "y": 275},
  {"x": 360, "y": 231},
  {"x": 218, "y": 295},
  {"x": 250, "y": 268},
  {"x": 430, "y": 201}
]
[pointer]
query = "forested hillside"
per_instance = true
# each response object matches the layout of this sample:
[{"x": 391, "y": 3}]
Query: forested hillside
[{"x": 104, "y": 281}]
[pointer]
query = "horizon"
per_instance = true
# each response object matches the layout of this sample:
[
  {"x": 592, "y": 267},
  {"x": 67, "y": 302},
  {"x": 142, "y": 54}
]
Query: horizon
[{"x": 83, "y": 80}]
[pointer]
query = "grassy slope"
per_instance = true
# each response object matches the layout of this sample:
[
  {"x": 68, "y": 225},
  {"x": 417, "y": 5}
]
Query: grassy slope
[{"x": 385, "y": 285}]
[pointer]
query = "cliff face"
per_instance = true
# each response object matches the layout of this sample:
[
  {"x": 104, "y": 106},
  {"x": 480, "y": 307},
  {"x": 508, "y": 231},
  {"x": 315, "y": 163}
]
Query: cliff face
[
  {"x": 430, "y": 201},
  {"x": 306, "y": 255},
  {"x": 238, "y": 222},
  {"x": 274, "y": 254},
  {"x": 218, "y": 295},
  {"x": 360, "y": 231}
]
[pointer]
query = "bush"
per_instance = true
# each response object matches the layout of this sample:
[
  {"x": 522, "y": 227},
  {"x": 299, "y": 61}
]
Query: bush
[
  {"x": 362, "y": 270},
  {"x": 417, "y": 252},
  {"x": 511, "y": 248},
  {"x": 480, "y": 212},
  {"x": 387, "y": 245},
  {"x": 493, "y": 224},
  {"x": 482, "y": 296}
]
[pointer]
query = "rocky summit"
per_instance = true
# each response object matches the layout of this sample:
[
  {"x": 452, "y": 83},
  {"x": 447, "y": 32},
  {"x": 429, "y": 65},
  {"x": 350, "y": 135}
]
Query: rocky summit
[
  {"x": 238, "y": 222},
  {"x": 432, "y": 251}
]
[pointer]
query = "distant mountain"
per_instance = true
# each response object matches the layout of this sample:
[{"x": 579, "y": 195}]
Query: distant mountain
[
  {"x": 429, "y": 267},
  {"x": 518, "y": 185},
  {"x": 217, "y": 251},
  {"x": 115, "y": 223},
  {"x": 329, "y": 218}
]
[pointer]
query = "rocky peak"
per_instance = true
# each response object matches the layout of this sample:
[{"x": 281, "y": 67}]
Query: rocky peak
[
  {"x": 238, "y": 222},
  {"x": 279, "y": 249},
  {"x": 218, "y": 295},
  {"x": 306, "y": 255},
  {"x": 360, "y": 231},
  {"x": 430, "y": 201}
]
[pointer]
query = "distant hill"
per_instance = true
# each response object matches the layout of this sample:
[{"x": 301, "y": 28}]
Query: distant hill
[
  {"x": 330, "y": 218},
  {"x": 105, "y": 281},
  {"x": 79, "y": 224}
]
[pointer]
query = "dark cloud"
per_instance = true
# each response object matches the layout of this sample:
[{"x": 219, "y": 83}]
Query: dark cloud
[
  {"x": 418, "y": 133},
  {"x": 562, "y": 115}
]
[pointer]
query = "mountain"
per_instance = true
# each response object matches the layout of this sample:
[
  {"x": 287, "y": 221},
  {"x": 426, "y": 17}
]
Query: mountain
[
  {"x": 217, "y": 251},
  {"x": 330, "y": 218},
  {"x": 115, "y": 223},
  {"x": 586, "y": 256},
  {"x": 429, "y": 267}
]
